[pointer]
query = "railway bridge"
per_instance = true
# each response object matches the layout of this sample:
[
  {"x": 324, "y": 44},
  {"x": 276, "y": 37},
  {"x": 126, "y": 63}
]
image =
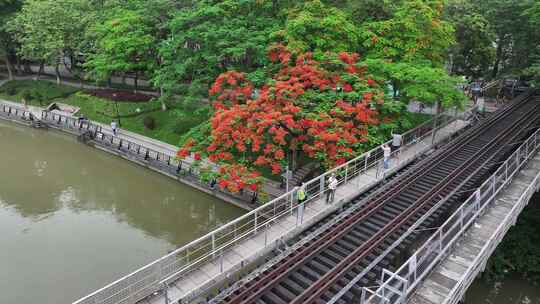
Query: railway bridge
[{"x": 418, "y": 232}]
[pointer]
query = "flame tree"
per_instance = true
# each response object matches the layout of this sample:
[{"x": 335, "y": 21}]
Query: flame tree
[{"x": 328, "y": 109}]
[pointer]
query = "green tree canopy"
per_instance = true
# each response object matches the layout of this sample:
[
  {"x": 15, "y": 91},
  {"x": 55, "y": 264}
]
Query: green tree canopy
[
  {"x": 47, "y": 30},
  {"x": 212, "y": 37},
  {"x": 124, "y": 43},
  {"x": 516, "y": 38},
  {"x": 474, "y": 52},
  {"x": 8, "y": 8},
  {"x": 315, "y": 27},
  {"x": 415, "y": 32}
]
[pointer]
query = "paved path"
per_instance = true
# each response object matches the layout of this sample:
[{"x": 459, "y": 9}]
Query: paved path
[
  {"x": 74, "y": 83},
  {"x": 287, "y": 227},
  {"x": 457, "y": 271}
]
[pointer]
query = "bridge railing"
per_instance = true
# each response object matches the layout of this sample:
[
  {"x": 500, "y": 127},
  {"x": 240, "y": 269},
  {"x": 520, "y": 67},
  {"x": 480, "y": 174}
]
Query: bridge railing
[
  {"x": 439, "y": 245},
  {"x": 209, "y": 248}
]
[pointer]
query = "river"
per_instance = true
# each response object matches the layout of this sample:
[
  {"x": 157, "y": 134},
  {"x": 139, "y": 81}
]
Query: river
[
  {"x": 513, "y": 290},
  {"x": 73, "y": 218}
]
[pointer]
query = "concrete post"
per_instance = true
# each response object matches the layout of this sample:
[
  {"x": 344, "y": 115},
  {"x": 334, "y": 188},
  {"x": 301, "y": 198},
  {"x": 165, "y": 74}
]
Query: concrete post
[{"x": 221, "y": 261}]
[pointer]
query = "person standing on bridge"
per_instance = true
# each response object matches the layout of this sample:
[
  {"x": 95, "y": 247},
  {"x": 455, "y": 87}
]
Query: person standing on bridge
[
  {"x": 332, "y": 186},
  {"x": 114, "y": 127},
  {"x": 301, "y": 194},
  {"x": 386, "y": 156}
]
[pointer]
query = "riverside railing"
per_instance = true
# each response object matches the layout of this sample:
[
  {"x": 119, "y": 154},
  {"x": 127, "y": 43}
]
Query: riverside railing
[
  {"x": 18, "y": 113},
  {"x": 163, "y": 162},
  {"x": 397, "y": 287},
  {"x": 158, "y": 274}
]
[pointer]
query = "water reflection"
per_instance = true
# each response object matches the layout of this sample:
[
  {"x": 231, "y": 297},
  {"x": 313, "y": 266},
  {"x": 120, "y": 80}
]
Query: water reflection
[{"x": 75, "y": 216}]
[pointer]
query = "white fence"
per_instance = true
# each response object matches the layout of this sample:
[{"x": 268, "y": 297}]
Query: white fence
[
  {"x": 154, "y": 276},
  {"x": 397, "y": 287}
]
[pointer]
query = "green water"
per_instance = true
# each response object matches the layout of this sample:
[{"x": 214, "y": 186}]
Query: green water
[
  {"x": 73, "y": 219},
  {"x": 513, "y": 290}
]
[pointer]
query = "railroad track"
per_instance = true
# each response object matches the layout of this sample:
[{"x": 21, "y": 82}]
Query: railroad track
[{"x": 320, "y": 267}]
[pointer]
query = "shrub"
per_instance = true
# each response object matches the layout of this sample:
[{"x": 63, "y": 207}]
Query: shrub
[
  {"x": 36, "y": 95},
  {"x": 185, "y": 123},
  {"x": 11, "y": 90},
  {"x": 27, "y": 95},
  {"x": 149, "y": 122}
]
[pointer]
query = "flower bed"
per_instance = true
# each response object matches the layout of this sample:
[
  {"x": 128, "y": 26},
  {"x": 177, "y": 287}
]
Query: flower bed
[{"x": 122, "y": 96}]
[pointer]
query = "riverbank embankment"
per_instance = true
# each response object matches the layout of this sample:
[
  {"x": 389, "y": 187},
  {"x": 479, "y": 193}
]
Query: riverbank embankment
[{"x": 144, "y": 151}]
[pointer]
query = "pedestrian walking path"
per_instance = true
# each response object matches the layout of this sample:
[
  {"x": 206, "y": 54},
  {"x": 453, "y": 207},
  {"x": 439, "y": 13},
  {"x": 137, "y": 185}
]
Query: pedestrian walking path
[
  {"x": 68, "y": 80},
  {"x": 194, "y": 283}
]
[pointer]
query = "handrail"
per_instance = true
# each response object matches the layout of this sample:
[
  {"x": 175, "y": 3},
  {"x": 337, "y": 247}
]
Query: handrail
[
  {"x": 209, "y": 247},
  {"x": 19, "y": 111}
]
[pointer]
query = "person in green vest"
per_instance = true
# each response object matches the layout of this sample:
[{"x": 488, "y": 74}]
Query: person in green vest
[{"x": 301, "y": 194}]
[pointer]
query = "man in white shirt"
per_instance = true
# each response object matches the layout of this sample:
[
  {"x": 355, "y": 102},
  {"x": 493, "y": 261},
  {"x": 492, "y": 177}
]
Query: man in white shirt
[
  {"x": 332, "y": 186},
  {"x": 114, "y": 126},
  {"x": 386, "y": 156}
]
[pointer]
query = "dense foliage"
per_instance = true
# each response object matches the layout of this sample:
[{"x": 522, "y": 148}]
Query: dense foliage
[
  {"x": 519, "y": 253},
  {"x": 326, "y": 109},
  {"x": 189, "y": 50}
]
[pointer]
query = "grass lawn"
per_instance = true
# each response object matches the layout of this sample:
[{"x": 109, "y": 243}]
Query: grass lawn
[{"x": 169, "y": 126}]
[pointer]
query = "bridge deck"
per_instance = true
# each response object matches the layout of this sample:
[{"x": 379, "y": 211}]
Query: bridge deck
[
  {"x": 255, "y": 247},
  {"x": 451, "y": 278}
]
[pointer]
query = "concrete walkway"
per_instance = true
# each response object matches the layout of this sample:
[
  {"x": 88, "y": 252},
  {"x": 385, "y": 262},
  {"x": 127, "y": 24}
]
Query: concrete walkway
[
  {"x": 196, "y": 282},
  {"x": 455, "y": 273},
  {"x": 69, "y": 80}
]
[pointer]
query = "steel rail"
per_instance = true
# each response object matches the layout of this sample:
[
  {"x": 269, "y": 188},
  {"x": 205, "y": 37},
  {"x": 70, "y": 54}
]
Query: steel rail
[
  {"x": 314, "y": 248},
  {"x": 315, "y": 291}
]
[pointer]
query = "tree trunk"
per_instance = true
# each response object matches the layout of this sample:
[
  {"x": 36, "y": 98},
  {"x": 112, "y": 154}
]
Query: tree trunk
[
  {"x": 40, "y": 71},
  {"x": 27, "y": 68},
  {"x": 9, "y": 67},
  {"x": 136, "y": 81},
  {"x": 57, "y": 72},
  {"x": 163, "y": 105},
  {"x": 495, "y": 70},
  {"x": 19, "y": 66},
  {"x": 294, "y": 162}
]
